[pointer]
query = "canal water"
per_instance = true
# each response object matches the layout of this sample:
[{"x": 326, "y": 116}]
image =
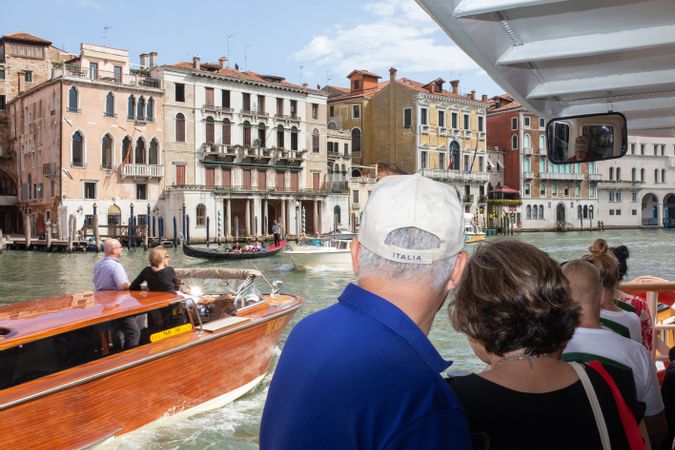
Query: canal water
[{"x": 28, "y": 275}]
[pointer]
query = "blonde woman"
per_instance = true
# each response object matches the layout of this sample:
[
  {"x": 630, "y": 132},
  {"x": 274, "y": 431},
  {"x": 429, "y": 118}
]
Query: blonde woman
[{"x": 158, "y": 276}]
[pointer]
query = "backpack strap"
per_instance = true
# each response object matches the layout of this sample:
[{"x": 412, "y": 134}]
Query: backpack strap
[{"x": 595, "y": 404}]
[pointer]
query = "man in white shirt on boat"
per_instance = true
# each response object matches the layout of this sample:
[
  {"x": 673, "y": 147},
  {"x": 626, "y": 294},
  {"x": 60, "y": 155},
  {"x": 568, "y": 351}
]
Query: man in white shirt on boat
[
  {"x": 109, "y": 275},
  {"x": 592, "y": 342}
]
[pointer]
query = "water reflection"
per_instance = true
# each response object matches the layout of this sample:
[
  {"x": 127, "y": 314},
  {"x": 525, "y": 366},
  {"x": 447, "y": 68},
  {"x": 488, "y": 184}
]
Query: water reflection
[{"x": 27, "y": 275}]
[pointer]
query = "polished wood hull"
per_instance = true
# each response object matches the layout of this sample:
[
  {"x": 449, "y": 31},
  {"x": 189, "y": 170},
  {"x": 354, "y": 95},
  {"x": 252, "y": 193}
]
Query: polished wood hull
[{"x": 115, "y": 395}]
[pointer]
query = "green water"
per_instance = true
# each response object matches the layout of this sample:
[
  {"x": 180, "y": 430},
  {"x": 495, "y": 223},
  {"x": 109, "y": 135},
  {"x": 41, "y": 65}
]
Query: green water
[{"x": 28, "y": 275}]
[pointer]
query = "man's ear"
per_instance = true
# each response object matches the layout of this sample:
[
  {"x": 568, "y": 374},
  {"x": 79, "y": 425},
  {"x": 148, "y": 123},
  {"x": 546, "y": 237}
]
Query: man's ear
[
  {"x": 356, "y": 252},
  {"x": 460, "y": 265}
]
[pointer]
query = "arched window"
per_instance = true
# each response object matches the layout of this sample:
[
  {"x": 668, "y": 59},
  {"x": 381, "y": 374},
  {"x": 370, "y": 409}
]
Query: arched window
[
  {"x": 140, "y": 109},
  {"x": 153, "y": 154},
  {"x": 227, "y": 134},
  {"x": 72, "y": 99},
  {"x": 528, "y": 214},
  {"x": 527, "y": 141},
  {"x": 114, "y": 215},
  {"x": 110, "y": 104},
  {"x": 580, "y": 212},
  {"x": 180, "y": 127},
  {"x": 356, "y": 140},
  {"x": 611, "y": 173},
  {"x": 332, "y": 125},
  {"x": 7, "y": 186},
  {"x": 315, "y": 141},
  {"x": 514, "y": 141},
  {"x": 280, "y": 136},
  {"x": 542, "y": 143},
  {"x": 150, "y": 115},
  {"x": 139, "y": 154},
  {"x": 131, "y": 106},
  {"x": 201, "y": 215},
  {"x": 107, "y": 152},
  {"x": 247, "y": 133},
  {"x": 126, "y": 148},
  {"x": 262, "y": 131},
  {"x": 618, "y": 174},
  {"x": 541, "y": 212},
  {"x": 663, "y": 175},
  {"x": 633, "y": 175},
  {"x": 585, "y": 211},
  {"x": 78, "y": 149},
  {"x": 656, "y": 175},
  {"x": 642, "y": 175},
  {"x": 294, "y": 138},
  {"x": 210, "y": 130}
]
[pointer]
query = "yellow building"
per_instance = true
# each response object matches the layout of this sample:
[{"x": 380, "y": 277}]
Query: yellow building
[{"x": 416, "y": 127}]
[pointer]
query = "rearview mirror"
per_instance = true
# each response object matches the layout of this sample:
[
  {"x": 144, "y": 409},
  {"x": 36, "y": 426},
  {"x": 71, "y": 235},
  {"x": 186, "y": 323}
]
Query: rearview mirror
[{"x": 587, "y": 138}]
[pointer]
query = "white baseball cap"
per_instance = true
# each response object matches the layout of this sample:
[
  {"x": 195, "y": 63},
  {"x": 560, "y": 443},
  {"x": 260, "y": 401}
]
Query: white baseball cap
[{"x": 400, "y": 201}]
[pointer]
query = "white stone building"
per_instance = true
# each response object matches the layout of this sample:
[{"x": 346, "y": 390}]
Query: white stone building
[
  {"x": 243, "y": 149},
  {"x": 638, "y": 190}
]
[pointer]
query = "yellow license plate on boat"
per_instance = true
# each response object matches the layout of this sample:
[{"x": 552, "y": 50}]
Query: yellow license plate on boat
[{"x": 171, "y": 332}]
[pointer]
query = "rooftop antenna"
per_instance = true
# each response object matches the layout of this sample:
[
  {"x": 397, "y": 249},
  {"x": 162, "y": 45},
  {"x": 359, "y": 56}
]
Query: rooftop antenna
[
  {"x": 105, "y": 34},
  {"x": 228, "y": 48},
  {"x": 328, "y": 77},
  {"x": 246, "y": 46},
  {"x": 301, "y": 67}
]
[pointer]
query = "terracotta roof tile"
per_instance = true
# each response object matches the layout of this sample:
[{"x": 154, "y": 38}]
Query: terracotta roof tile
[
  {"x": 248, "y": 75},
  {"x": 26, "y": 37},
  {"x": 507, "y": 103},
  {"x": 363, "y": 72},
  {"x": 367, "y": 93},
  {"x": 419, "y": 87}
]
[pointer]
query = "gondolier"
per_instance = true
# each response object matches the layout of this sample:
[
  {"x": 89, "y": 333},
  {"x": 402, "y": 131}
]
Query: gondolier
[{"x": 276, "y": 230}]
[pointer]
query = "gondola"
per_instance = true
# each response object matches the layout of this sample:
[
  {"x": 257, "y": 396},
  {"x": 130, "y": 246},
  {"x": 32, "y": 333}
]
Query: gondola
[{"x": 213, "y": 253}]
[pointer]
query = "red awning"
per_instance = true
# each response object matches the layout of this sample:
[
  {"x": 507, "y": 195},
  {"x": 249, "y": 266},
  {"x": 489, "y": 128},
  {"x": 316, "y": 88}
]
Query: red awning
[{"x": 506, "y": 190}]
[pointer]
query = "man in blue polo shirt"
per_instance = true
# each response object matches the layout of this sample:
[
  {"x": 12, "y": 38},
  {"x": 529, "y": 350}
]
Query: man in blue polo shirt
[{"x": 362, "y": 373}]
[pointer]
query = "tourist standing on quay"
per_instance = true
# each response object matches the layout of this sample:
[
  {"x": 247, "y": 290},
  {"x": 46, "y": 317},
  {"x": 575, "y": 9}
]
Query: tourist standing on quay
[
  {"x": 362, "y": 373},
  {"x": 109, "y": 275}
]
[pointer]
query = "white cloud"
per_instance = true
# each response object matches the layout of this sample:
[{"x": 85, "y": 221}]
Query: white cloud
[
  {"x": 91, "y": 3},
  {"x": 393, "y": 33}
]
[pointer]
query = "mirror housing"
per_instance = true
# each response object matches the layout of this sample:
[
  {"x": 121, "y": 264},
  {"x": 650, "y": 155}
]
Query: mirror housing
[{"x": 593, "y": 137}]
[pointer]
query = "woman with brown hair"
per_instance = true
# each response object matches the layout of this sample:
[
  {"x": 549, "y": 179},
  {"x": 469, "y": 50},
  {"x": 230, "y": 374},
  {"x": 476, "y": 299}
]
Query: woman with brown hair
[
  {"x": 611, "y": 316},
  {"x": 513, "y": 302}
]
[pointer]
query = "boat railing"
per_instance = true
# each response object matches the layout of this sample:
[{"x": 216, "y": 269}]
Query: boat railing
[{"x": 663, "y": 332}]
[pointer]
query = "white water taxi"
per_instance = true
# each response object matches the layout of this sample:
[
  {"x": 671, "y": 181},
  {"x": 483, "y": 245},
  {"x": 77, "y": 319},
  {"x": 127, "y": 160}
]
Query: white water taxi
[{"x": 324, "y": 255}]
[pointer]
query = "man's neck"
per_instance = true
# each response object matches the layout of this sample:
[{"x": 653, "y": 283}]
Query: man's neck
[
  {"x": 590, "y": 318},
  {"x": 411, "y": 298}
]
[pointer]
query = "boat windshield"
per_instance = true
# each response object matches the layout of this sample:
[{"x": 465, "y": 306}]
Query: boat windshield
[{"x": 73, "y": 348}]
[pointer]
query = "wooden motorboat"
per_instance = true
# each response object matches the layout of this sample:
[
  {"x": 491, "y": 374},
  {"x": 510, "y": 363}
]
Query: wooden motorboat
[
  {"x": 214, "y": 253},
  {"x": 328, "y": 255},
  {"x": 61, "y": 368}
]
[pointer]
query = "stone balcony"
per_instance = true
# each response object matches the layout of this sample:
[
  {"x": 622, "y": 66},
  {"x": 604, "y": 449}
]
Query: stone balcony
[
  {"x": 595, "y": 177},
  {"x": 100, "y": 76},
  {"x": 143, "y": 170},
  {"x": 561, "y": 176},
  {"x": 456, "y": 175}
]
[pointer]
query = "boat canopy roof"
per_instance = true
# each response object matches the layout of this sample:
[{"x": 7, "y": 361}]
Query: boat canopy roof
[
  {"x": 32, "y": 320},
  {"x": 566, "y": 58}
]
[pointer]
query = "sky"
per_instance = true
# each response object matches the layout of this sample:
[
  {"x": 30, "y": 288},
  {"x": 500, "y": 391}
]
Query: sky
[{"x": 314, "y": 41}]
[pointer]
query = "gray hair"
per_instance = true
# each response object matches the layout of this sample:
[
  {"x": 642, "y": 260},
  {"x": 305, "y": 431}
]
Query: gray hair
[
  {"x": 109, "y": 245},
  {"x": 436, "y": 274}
]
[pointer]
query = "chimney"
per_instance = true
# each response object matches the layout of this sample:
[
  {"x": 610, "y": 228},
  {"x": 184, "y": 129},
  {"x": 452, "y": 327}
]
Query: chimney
[
  {"x": 196, "y": 63},
  {"x": 472, "y": 95},
  {"x": 392, "y": 74},
  {"x": 483, "y": 98},
  {"x": 455, "y": 86},
  {"x": 144, "y": 60},
  {"x": 223, "y": 62},
  {"x": 153, "y": 59}
]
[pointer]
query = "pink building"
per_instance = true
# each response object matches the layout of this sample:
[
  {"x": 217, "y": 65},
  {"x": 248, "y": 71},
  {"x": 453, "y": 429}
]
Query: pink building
[{"x": 89, "y": 141}]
